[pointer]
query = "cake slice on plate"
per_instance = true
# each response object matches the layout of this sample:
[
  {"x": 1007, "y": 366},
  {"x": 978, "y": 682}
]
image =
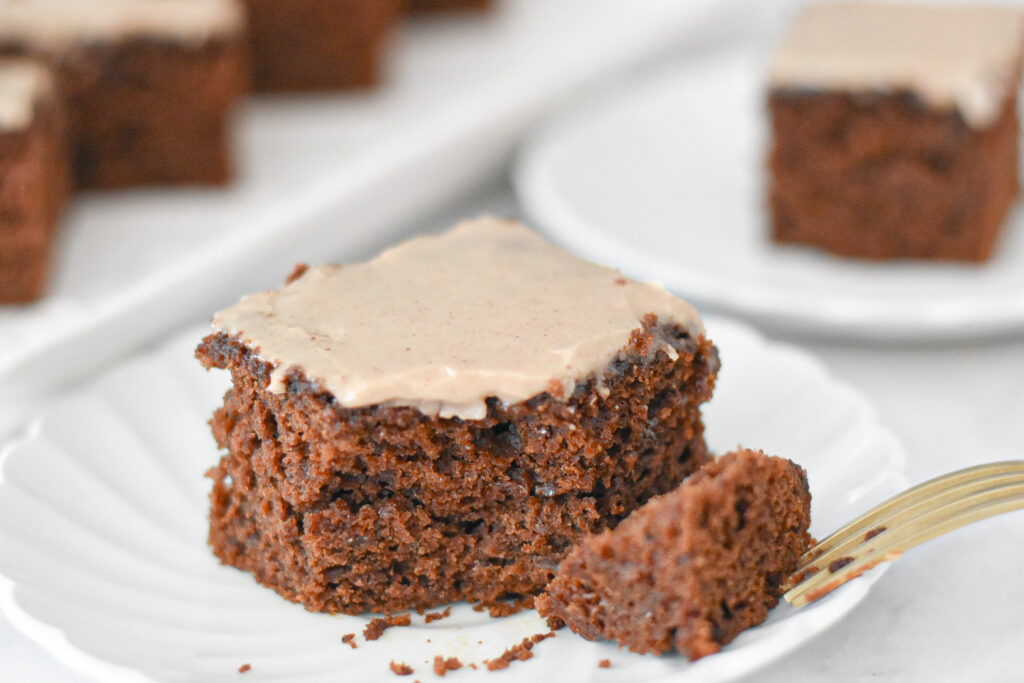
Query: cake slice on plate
[
  {"x": 445, "y": 421},
  {"x": 895, "y": 129}
]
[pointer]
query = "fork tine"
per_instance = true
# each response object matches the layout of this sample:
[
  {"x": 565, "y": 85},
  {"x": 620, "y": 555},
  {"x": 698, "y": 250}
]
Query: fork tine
[
  {"x": 909, "y": 507},
  {"x": 893, "y": 542},
  {"x": 870, "y": 520}
]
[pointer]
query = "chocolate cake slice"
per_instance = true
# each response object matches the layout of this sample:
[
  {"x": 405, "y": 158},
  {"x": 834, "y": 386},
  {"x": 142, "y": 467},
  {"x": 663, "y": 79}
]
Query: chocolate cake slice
[
  {"x": 149, "y": 84},
  {"x": 895, "y": 131},
  {"x": 693, "y": 568},
  {"x": 34, "y": 180},
  {"x": 444, "y": 421}
]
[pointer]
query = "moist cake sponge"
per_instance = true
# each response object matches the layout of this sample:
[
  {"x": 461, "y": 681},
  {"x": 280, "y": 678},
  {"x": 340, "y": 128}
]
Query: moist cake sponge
[
  {"x": 691, "y": 569},
  {"x": 445, "y": 421}
]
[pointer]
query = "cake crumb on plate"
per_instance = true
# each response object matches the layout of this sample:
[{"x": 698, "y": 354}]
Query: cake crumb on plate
[
  {"x": 375, "y": 629},
  {"x": 401, "y": 668},
  {"x": 521, "y": 652}
]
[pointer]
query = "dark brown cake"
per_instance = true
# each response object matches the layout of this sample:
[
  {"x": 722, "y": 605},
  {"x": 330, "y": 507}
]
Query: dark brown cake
[
  {"x": 33, "y": 177},
  {"x": 149, "y": 85},
  {"x": 691, "y": 569},
  {"x": 447, "y": 5},
  {"x": 384, "y": 507},
  {"x": 309, "y": 45},
  {"x": 911, "y": 156}
]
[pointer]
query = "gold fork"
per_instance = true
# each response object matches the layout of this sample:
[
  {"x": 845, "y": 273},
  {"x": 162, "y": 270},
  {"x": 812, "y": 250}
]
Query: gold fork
[{"x": 908, "y": 519}]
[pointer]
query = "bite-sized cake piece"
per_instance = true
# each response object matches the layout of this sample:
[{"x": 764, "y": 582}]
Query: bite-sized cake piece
[
  {"x": 895, "y": 129},
  {"x": 444, "y": 421},
  {"x": 689, "y": 570},
  {"x": 149, "y": 84},
  {"x": 447, "y": 5},
  {"x": 310, "y": 45},
  {"x": 34, "y": 178}
]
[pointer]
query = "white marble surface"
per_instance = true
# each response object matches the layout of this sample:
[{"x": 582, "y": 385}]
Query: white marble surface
[{"x": 951, "y": 609}]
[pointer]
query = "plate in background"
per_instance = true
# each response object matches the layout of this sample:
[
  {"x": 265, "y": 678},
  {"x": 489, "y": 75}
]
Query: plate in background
[
  {"x": 665, "y": 179},
  {"x": 103, "y": 556}
]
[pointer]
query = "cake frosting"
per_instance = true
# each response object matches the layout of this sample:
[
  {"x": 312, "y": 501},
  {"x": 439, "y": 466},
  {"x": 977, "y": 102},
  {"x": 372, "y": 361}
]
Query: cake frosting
[
  {"x": 49, "y": 24},
  {"x": 22, "y": 85},
  {"x": 964, "y": 59},
  {"x": 442, "y": 322}
]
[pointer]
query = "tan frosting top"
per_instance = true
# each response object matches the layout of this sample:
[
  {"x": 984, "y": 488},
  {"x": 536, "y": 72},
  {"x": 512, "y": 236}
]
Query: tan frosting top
[
  {"x": 954, "y": 58},
  {"x": 57, "y": 23},
  {"x": 442, "y": 322},
  {"x": 22, "y": 84}
]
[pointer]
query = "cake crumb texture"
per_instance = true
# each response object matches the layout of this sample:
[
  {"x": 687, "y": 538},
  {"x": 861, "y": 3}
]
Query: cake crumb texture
[
  {"x": 396, "y": 505},
  {"x": 401, "y": 668},
  {"x": 691, "y": 569},
  {"x": 878, "y": 177},
  {"x": 443, "y": 665},
  {"x": 385, "y": 509},
  {"x": 519, "y": 652},
  {"x": 375, "y": 629},
  {"x": 437, "y": 616}
]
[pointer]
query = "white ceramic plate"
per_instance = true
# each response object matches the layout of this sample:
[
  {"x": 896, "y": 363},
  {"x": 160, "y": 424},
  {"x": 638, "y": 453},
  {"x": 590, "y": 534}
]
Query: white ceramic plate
[
  {"x": 103, "y": 558},
  {"x": 664, "y": 178}
]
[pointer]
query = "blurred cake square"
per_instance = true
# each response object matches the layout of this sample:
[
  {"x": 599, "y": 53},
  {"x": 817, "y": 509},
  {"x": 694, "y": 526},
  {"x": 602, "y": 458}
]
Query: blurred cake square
[
  {"x": 894, "y": 129},
  {"x": 34, "y": 179},
  {"x": 445, "y": 421},
  {"x": 149, "y": 85}
]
